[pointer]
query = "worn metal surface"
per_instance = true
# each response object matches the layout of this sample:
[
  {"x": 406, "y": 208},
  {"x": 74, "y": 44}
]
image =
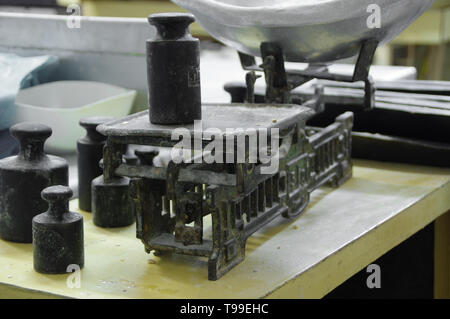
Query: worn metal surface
[
  {"x": 219, "y": 116},
  {"x": 89, "y": 154},
  {"x": 173, "y": 70},
  {"x": 23, "y": 177},
  {"x": 307, "y": 31},
  {"x": 111, "y": 205},
  {"x": 58, "y": 238},
  {"x": 172, "y": 201}
]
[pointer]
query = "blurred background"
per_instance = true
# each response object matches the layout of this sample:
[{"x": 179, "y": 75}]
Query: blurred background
[{"x": 424, "y": 45}]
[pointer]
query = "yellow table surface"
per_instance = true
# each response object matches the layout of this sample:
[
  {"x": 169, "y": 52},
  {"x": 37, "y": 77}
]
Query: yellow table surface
[{"x": 342, "y": 231}]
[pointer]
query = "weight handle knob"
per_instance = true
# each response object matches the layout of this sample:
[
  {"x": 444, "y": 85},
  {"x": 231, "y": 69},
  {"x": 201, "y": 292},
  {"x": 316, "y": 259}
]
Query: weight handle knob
[
  {"x": 31, "y": 137},
  {"x": 91, "y": 123},
  {"x": 58, "y": 199},
  {"x": 146, "y": 156},
  {"x": 171, "y": 26}
]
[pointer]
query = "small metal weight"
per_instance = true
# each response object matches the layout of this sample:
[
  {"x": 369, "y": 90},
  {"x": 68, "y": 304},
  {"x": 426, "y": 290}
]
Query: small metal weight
[
  {"x": 58, "y": 244},
  {"x": 90, "y": 152},
  {"x": 173, "y": 70},
  {"x": 111, "y": 202},
  {"x": 23, "y": 177}
]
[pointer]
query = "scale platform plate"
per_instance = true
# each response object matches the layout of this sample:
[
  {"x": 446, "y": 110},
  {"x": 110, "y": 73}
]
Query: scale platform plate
[{"x": 214, "y": 116}]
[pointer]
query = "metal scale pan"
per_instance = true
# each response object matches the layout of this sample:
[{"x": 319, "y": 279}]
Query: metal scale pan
[{"x": 306, "y": 30}]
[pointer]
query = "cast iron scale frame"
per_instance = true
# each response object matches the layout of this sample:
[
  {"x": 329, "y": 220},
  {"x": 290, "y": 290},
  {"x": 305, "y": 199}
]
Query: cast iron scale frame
[
  {"x": 171, "y": 198},
  {"x": 238, "y": 198}
]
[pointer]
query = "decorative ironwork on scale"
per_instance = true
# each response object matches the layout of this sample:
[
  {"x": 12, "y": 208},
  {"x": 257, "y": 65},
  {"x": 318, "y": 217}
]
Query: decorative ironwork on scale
[
  {"x": 173, "y": 201},
  {"x": 211, "y": 209}
]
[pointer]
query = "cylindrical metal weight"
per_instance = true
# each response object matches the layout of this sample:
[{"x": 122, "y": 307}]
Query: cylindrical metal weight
[
  {"x": 23, "y": 177},
  {"x": 173, "y": 70},
  {"x": 58, "y": 239},
  {"x": 90, "y": 152}
]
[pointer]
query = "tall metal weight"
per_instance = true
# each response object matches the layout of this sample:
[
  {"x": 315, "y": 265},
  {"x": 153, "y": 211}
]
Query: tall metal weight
[
  {"x": 90, "y": 152},
  {"x": 173, "y": 70}
]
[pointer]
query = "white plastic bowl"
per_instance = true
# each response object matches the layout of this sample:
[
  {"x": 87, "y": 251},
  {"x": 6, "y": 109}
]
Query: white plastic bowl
[{"x": 62, "y": 104}]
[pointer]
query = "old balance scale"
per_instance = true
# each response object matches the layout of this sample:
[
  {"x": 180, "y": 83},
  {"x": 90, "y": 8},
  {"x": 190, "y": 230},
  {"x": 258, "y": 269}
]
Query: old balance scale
[{"x": 172, "y": 199}]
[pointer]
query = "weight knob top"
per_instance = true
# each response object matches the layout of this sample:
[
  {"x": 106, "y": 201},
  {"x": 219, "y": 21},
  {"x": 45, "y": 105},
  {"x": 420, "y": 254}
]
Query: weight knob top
[
  {"x": 146, "y": 155},
  {"x": 91, "y": 123},
  {"x": 31, "y": 137},
  {"x": 58, "y": 199},
  {"x": 171, "y": 26}
]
